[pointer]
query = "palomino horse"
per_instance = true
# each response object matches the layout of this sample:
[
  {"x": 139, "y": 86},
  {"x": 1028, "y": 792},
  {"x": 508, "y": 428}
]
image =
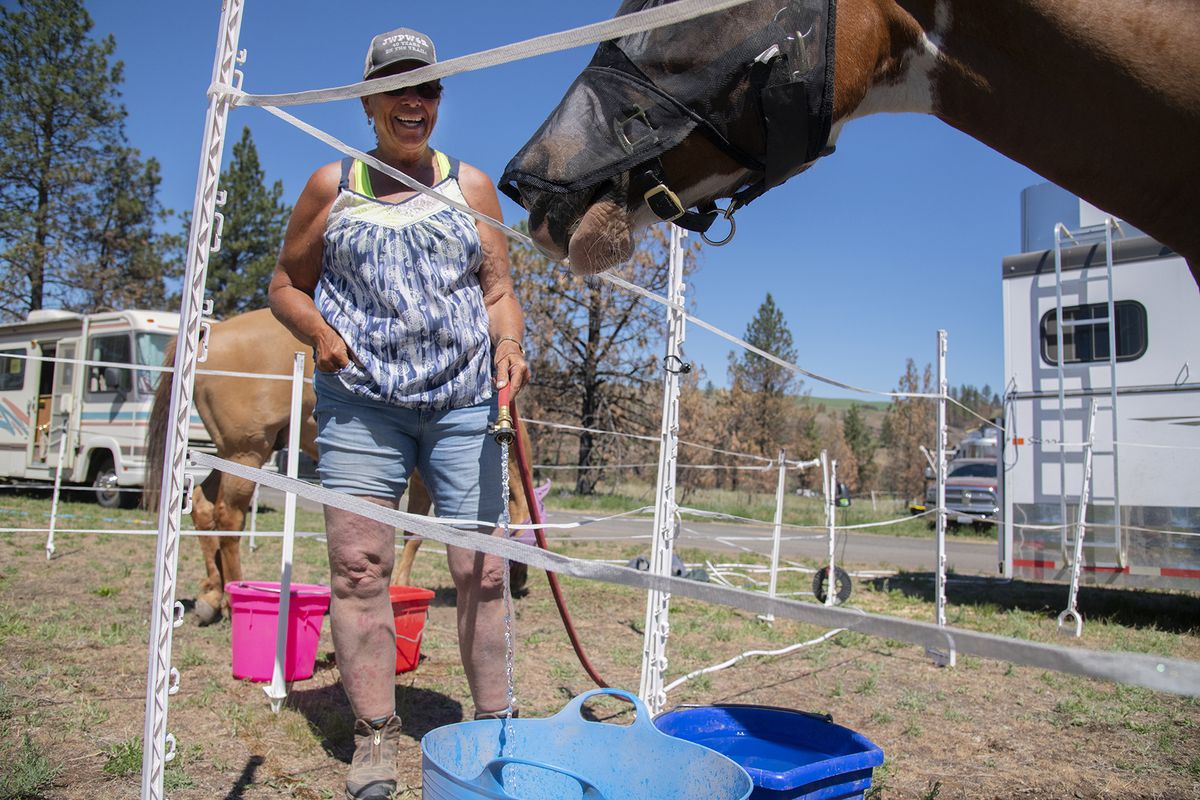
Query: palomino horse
[
  {"x": 1099, "y": 96},
  {"x": 248, "y": 421}
]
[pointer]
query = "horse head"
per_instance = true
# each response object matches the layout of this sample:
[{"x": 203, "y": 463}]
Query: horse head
[{"x": 674, "y": 119}]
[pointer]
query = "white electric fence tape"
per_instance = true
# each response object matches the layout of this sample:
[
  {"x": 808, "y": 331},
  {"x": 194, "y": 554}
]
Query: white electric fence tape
[
  {"x": 85, "y": 362},
  {"x": 1171, "y": 675},
  {"x": 637, "y": 22},
  {"x": 624, "y": 284}
]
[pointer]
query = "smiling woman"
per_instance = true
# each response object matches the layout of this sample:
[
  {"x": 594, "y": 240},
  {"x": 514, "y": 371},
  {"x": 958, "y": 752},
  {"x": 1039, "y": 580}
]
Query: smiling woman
[{"x": 414, "y": 318}]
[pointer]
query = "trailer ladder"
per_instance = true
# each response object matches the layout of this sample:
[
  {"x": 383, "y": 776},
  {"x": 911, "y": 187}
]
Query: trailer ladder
[{"x": 1107, "y": 546}]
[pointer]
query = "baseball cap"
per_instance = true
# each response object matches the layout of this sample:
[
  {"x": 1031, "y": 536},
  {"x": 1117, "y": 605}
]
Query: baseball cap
[{"x": 402, "y": 44}]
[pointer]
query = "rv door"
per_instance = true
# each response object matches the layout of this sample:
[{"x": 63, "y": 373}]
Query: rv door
[
  {"x": 39, "y": 404},
  {"x": 55, "y": 405},
  {"x": 65, "y": 407}
]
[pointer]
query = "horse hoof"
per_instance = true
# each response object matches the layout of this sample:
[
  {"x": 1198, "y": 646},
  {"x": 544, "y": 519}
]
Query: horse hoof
[
  {"x": 518, "y": 578},
  {"x": 206, "y": 614}
]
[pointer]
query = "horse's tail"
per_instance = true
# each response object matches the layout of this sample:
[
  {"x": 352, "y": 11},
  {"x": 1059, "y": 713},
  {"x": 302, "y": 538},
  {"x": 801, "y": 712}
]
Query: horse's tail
[{"x": 156, "y": 434}]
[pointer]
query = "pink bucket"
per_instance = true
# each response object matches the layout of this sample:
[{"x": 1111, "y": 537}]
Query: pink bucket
[{"x": 255, "y": 612}]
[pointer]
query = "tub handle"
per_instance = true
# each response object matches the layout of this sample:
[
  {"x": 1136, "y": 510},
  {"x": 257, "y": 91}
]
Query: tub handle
[
  {"x": 641, "y": 714},
  {"x": 489, "y": 779}
]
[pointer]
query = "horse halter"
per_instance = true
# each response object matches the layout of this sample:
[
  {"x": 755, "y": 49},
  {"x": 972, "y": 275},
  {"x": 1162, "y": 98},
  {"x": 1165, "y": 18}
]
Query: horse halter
[
  {"x": 764, "y": 98},
  {"x": 666, "y": 205}
]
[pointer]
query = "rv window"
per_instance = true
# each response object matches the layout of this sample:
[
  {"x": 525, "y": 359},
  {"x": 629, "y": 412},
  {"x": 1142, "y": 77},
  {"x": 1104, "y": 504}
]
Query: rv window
[
  {"x": 151, "y": 351},
  {"x": 12, "y": 371},
  {"x": 107, "y": 379},
  {"x": 1085, "y": 334}
]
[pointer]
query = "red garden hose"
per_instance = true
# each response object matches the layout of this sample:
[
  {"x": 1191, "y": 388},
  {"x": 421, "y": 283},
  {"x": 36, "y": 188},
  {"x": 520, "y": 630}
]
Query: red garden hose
[{"x": 536, "y": 516}]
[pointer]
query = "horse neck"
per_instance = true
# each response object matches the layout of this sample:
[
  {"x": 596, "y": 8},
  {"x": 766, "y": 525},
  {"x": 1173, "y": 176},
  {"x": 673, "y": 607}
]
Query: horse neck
[{"x": 1092, "y": 94}]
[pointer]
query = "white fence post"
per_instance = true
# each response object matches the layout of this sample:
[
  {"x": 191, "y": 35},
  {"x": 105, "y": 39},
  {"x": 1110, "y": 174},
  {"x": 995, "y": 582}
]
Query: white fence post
[
  {"x": 62, "y": 448},
  {"x": 943, "y": 658},
  {"x": 1071, "y": 612},
  {"x": 779, "y": 491},
  {"x": 162, "y": 680},
  {"x": 277, "y": 691},
  {"x": 940, "y": 585},
  {"x": 830, "y": 470},
  {"x": 253, "y": 518},
  {"x": 658, "y": 603}
]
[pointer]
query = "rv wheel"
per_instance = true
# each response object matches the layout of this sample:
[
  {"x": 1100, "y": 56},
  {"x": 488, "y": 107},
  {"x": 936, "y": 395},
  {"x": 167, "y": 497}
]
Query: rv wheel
[
  {"x": 842, "y": 589},
  {"x": 108, "y": 493}
]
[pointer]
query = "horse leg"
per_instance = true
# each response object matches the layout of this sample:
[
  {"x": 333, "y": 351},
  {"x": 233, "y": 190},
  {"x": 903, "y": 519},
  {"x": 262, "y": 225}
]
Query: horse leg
[
  {"x": 230, "y": 515},
  {"x": 220, "y": 503},
  {"x": 231, "y": 566},
  {"x": 419, "y": 502},
  {"x": 208, "y": 603}
]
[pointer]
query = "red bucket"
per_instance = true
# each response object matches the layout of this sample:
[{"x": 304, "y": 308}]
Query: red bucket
[{"x": 410, "y": 607}]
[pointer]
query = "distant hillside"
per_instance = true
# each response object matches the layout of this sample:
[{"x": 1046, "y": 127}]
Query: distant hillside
[
  {"x": 828, "y": 407},
  {"x": 842, "y": 403}
]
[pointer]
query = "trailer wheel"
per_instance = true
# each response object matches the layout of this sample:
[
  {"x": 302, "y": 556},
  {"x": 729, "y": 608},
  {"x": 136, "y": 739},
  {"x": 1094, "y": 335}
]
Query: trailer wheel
[
  {"x": 843, "y": 586},
  {"x": 104, "y": 481}
]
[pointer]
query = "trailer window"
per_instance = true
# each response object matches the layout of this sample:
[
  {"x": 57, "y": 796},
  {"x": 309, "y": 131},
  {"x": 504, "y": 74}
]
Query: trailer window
[
  {"x": 12, "y": 371},
  {"x": 1085, "y": 333},
  {"x": 109, "y": 379}
]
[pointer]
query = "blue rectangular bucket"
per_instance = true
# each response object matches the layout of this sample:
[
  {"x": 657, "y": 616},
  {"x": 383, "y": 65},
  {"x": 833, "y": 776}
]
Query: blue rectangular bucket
[
  {"x": 568, "y": 757},
  {"x": 790, "y": 755}
]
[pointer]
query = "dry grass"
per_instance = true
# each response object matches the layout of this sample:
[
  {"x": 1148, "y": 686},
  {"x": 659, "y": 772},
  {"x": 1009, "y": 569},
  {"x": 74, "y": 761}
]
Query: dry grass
[{"x": 73, "y": 659}]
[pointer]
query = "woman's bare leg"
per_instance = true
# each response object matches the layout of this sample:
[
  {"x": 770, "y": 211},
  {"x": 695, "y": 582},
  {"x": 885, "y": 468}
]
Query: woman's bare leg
[
  {"x": 361, "y": 554},
  {"x": 479, "y": 580}
]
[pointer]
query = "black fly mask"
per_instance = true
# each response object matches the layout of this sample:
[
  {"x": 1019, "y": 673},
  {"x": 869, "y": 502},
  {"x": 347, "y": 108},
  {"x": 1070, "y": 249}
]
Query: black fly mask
[{"x": 759, "y": 87}]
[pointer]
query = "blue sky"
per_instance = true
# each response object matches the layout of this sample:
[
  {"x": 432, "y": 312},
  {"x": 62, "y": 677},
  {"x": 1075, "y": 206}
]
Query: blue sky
[{"x": 899, "y": 233}]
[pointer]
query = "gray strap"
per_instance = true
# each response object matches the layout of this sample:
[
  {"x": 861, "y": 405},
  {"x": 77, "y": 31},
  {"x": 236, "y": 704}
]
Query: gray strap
[{"x": 1176, "y": 676}]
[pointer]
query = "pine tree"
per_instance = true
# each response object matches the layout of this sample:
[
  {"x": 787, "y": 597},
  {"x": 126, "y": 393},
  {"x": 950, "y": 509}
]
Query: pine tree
[
  {"x": 861, "y": 443},
  {"x": 911, "y": 424},
  {"x": 128, "y": 259},
  {"x": 255, "y": 219},
  {"x": 768, "y": 331},
  {"x": 839, "y": 449},
  {"x": 61, "y": 120},
  {"x": 760, "y": 388}
]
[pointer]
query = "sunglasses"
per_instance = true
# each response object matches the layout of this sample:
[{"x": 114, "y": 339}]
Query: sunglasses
[{"x": 428, "y": 91}]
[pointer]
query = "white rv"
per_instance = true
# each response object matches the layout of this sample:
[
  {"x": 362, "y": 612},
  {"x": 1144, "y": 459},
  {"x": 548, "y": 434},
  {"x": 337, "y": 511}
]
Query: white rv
[
  {"x": 104, "y": 410},
  {"x": 1146, "y": 443}
]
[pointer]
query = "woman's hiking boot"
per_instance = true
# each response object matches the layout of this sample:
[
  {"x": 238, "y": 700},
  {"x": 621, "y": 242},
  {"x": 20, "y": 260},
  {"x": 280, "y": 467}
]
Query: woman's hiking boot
[{"x": 372, "y": 773}]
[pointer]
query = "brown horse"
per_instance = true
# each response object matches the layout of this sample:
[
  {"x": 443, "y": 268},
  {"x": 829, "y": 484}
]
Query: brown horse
[
  {"x": 248, "y": 421},
  {"x": 1099, "y": 96}
]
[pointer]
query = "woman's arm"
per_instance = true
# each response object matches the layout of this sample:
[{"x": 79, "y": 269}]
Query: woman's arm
[
  {"x": 299, "y": 269},
  {"x": 506, "y": 323}
]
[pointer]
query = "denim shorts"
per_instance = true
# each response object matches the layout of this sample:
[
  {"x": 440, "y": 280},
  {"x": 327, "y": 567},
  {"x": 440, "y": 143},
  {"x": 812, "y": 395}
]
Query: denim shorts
[{"x": 370, "y": 448}]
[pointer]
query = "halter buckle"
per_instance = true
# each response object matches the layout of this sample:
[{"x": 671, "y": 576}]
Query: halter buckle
[
  {"x": 620, "y": 125},
  {"x": 664, "y": 203}
]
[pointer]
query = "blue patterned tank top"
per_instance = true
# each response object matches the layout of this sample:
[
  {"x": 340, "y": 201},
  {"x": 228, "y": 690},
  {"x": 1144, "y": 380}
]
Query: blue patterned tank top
[{"x": 400, "y": 283}]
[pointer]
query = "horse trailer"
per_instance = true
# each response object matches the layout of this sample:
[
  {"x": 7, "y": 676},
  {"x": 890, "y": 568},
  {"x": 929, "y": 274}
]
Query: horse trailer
[
  {"x": 101, "y": 406},
  {"x": 1130, "y": 384}
]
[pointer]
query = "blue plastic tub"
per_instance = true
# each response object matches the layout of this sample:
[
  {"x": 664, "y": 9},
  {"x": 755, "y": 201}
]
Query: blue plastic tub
[
  {"x": 790, "y": 755},
  {"x": 566, "y": 757}
]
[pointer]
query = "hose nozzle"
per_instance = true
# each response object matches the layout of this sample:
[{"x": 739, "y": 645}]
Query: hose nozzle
[{"x": 503, "y": 430}]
